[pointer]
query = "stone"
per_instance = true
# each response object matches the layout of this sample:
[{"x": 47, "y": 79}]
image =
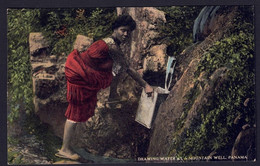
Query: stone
[
  {"x": 37, "y": 42},
  {"x": 82, "y": 43},
  {"x": 66, "y": 162},
  {"x": 245, "y": 144},
  {"x": 157, "y": 61},
  {"x": 45, "y": 88},
  {"x": 109, "y": 153},
  {"x": 49, "y": 83},
  {"x": 145, "y": 36}
]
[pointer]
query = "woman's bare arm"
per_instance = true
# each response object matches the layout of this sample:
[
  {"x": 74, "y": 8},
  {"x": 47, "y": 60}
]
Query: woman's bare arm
[{"x": 120, "y": 58}]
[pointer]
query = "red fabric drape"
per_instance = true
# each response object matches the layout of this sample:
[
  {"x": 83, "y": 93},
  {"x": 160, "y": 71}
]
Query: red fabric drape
[{"x": 86, "y": 74}]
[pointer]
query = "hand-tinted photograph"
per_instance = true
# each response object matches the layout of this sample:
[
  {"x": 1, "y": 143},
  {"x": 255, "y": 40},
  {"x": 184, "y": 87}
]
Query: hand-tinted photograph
[{"x": 109, "y": 85}]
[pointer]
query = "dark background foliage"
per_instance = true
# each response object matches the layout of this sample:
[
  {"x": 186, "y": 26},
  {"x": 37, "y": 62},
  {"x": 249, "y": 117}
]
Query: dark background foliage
[{"x": 179, "y": 26}]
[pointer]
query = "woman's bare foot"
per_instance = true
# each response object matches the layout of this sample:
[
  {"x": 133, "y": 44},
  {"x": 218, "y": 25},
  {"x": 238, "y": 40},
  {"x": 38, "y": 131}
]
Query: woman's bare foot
[{"x": 67, "y": 154}]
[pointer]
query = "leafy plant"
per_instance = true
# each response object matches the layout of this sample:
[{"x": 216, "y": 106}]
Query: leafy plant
[
  {"x": 61, "y": 26},
  {"x": 20, "y": 93},
  {"x": 178, "y": 28},
  {"x": 14, "y": 157}
]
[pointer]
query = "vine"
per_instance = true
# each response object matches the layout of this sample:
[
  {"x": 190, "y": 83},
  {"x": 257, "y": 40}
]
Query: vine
[{"x": 19, "y": 69}]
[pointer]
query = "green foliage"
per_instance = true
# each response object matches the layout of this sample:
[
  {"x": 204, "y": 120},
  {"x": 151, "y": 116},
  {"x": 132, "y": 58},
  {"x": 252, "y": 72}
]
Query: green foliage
[
  {"x": 19, "y": 69},
  {"x": 215, "y": 130},
  {"x": 179, "y": 26},
  {"x": 14, "y": 157},
  {"x": 61, "y": 26}
]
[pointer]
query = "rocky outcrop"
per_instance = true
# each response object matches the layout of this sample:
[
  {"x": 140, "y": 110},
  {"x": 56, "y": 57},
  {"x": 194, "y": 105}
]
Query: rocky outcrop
[
  {"x": 146, "y": 43},
  {"x": 82, "y": 43},
  {"x": 157, "y": 60},
  {"x": 49, "y": 83},
  {"x": 245, "y": 144},
  {"x": 37, "y": 43},
  {"x": 177, "y": 106}
]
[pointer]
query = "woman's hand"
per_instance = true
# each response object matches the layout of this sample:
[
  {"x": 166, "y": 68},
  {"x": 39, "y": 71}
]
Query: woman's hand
[{"x": 148, "y": 90}]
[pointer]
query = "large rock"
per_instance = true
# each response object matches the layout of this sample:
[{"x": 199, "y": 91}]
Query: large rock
[
  {"x": 156, "y": 62},
  {"x": 245, "y": 144},
  {"x": 146, "y": 41},
  {"x": 164, "y": 129},
  {"x": 49, "y": 83},
  {"x": 82, "y": 43},
  {"x": 37, "y": 42}
]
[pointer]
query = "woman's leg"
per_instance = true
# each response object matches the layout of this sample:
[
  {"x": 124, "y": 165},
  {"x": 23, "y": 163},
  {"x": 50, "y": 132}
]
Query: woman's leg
[{"x": 69, "y": 130}]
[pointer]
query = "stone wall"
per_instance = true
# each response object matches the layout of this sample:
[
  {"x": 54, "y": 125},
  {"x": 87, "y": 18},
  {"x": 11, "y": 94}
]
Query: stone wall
[
  {"x": 146, "y": 50},
  {"x": 49, "y": 83}
]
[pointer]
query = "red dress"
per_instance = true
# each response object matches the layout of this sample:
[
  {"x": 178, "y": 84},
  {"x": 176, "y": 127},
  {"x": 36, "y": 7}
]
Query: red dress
[{"x": 86, "y": 74}]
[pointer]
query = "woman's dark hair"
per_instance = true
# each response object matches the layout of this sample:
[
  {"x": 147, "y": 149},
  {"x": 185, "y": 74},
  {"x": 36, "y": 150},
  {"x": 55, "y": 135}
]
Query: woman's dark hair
[{"x": 124, "y": 20}]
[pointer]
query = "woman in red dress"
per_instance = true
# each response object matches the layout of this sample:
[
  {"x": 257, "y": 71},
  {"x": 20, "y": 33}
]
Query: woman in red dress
[{"x": 92, "y": 70}]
